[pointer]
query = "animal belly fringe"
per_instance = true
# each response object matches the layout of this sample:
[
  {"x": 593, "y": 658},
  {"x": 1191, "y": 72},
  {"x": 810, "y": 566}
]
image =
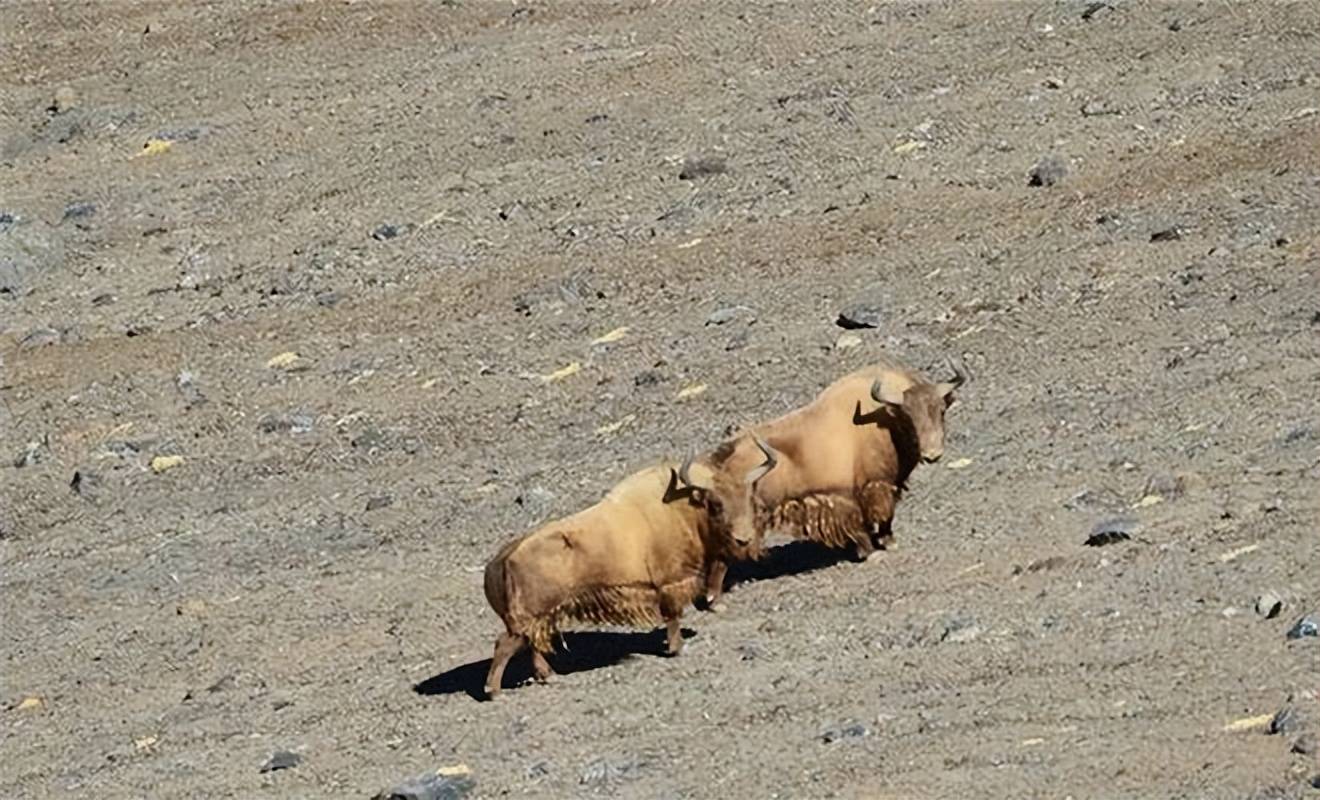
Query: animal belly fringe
[
  {"x": 833, "y": 520},
  {"x": 633, "y": 605}
]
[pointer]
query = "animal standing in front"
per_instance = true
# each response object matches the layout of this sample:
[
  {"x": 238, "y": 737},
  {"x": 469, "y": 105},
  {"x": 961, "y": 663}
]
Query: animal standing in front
[{"x": 638, "y": 557}]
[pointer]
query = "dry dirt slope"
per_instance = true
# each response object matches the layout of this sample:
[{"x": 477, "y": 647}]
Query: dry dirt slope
[{"x": 308, "y": 577}]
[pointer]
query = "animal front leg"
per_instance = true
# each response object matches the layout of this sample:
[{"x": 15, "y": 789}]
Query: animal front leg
[
  {"x": 541, "y": 668},
  {"x": 673, "y": 636},
  {"x": 715, "y": 585},
  {"x": 672, "y": 602},
  {"x": 878, "y": 500}
]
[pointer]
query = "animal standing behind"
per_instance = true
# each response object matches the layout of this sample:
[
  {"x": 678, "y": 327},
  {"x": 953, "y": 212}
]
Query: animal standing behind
[{"x": 835, "y": 468}]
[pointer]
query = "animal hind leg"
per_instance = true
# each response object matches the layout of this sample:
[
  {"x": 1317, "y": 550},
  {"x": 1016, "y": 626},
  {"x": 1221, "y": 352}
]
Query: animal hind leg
[
  {"x": 878, "y": 500},
  {"x": 506, "y": 647}
]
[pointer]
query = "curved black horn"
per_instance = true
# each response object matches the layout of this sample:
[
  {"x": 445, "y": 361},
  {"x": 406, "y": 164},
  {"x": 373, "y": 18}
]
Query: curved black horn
[{"x": 771, "y": 459}]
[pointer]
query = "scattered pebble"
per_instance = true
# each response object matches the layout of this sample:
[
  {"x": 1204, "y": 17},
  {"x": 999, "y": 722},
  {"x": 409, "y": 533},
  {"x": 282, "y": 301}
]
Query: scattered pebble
[
  {"x": 847, "y": 341},
  {"x": 160, "y": 464},
  {"x": 446, "y": 783},
  {"x": 562, "y": 372},
  {"x": 691, "y": 390},
  {"x": 1096, "y": 108},
  {"x": 727, "y": 314},
  {"x": 187, "y": 385},
  {"x": 39, "y": 337},
  {"x": 65, "y": 99},
  {"x": 1094, "y": 8},
  {"x": 1163, "y": 484},
  {"x": 1111, "y": 530},
  {"x": 1268, "y": 605},
  {"x": 960, "y": 629},
  {"x": 389, "y": 231},
  {"x": 328, "y": 299},
  {"x": 1049, "y": 171},
  {"x": 286, "y": 423},
  {"x": 859, "y": 316},
  {"x": 848, "y": 730},
  {"x": 648, "y": 378},
  {"x": 1288, "y": 719},
  {"x": 79, "y": 210},
  {"x": 1170, "y": 234},
  {"x": 603, "y": 771},
  {"x": 281, "y": 759},
  {"x": 32, "y": 454},
  {"x": 613, "y": 336},
  {"x": 1304, "y": 627},
  {"x": 30, "y": 704},
  {"x": 85, "y": 484},
  {"x": 700, "y": 166},
  {"x": 285, "y": 360},
  {"x": 379, "y": 501},
  {"x": 1304, "y": 745}
]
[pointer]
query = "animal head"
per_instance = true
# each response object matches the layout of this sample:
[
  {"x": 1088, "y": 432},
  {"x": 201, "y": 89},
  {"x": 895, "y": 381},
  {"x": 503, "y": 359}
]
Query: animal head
[
  {"x": 924, "y": 405},
  {"x": 728, "y": 497}
]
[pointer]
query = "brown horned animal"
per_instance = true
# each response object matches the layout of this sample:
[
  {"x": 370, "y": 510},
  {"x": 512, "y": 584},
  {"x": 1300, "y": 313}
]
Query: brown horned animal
[
  {"x": 638, "y": 557},
  {"x": 839, "y": 463}
]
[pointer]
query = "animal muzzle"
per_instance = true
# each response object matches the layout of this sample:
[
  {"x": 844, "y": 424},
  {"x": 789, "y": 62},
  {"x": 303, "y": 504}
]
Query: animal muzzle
[{"x": 931, "y": 456}]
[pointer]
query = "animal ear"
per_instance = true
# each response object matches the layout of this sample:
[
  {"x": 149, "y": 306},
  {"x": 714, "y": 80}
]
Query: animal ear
[{"x": 888, "y": 390}]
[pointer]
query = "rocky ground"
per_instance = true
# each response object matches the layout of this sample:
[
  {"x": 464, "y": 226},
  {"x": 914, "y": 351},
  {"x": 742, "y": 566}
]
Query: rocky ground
[{"x": 306, "y": 308}]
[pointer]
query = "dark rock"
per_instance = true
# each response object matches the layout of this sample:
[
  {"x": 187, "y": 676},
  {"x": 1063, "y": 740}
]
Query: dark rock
[
  {"x": 1094, "y": 8},
  {"x": 847, "y": 730},
  {"x": 1048, "y": 171},
  {"x": 1096, "y": 108},
  {"x": 1111, "y": 530},
  {"x": 1290, "y": 718},
  {"x": 281, "y": 759},
  {"x": 1315, "y": 781},
  {"x": 1304, "y": 745},
  {"x": 187, "y": 385},
  {"x": 721, "y": 316},
  {"x": 39, "y": 337},
  {"x": 85, "y": 484},
  {"x": 328, "y": 299},
  {"x": 860, "y": 316},
  {"x": 432, "y": 786},
  {"x": 603, "y": 771},
  {"x": 7, "y": 221},
  {"x": 379, "y": 501},
  {"x": 1170, "y": 234},
  {"x": 103, "y": 299},
  {"x": 222, "y": 684},
  {"x": 595, "y": 118},
  {"x": 1304, "y": 627},
  {"x": 700, "y": 166},
  {"x": 122, "y": 449},
  {"x": 648, "y": 378},
  {"x": 1268, "y": 605},
  {"x": 287, "y": 423},
  {"x": 1175, "y": 25},
  {"x": 79, "y": 210},
  {"x": 749, "y": 651},
  {"x": 389, "y": 231}
]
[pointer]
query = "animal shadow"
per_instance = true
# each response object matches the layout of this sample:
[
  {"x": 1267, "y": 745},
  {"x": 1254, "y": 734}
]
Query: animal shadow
[
  {"x": 794, "y": 558},
  {"x": 580, "y": 651}
]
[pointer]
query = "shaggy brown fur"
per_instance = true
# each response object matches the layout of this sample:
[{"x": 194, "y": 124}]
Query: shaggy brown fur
[
  {"x": 843, "y": 461},
  {"x": 636, "y": 558}
]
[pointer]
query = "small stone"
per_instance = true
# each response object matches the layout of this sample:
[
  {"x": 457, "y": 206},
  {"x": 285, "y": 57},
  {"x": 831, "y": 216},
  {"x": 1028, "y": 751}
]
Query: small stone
[
  {"x": 446, "y": 783},
  {"x": 648, "y": 378},
  {"x": 286, "y": 423},
  {"x": 603, "y": 771},
  {"x": 85, "y": 484},
  {"x": 749, "y": 651},
  {"x": 859, "y": 316},
  {"x": 1164, "y": 485},
  {"x": 700, "y": 166},
  {"x": 160, "y": 464},
  {"x": 79, "y": 210},
  {"x": 1094, "y": 8},
  {"x": 32, "y": 454},
  {"x": 960, "y": 629},
  {"x": 65, "y": 99},
  {"x": 30, "y": 704},
  {"x": 1304, "y": 745},
  {"x": 187, "y": 386},
  {"x": 1288, "y": 719},
  {"x": 1304, "y": 627},
  {"x": 1095, "y": 108},
  {"x": 849, "y": 730},
  {"x": 1315, "y": 781},
  {"x": 103, "y": 299},
  {"x": 389, "y": 231},
  {"x": 847, "y": 341},
  {"x": 39, "y": 337},
  {"x": 281, "y": 759},
  {"x": 1049, "y": 171},
  {"x": 328, "y": 299},
  {"x": 721, "y": 316},
  {"x": 1268, "y": 605},
  {"x": 379, "y": 502},
  {"x": 1111, "y": 530},
  {"x": 1170, "y": 234}
]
